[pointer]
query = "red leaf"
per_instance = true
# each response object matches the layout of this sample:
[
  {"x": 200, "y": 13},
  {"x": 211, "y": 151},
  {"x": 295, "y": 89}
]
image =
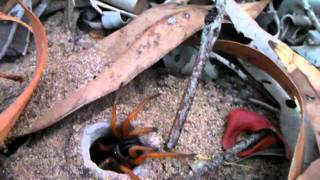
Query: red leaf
[{"x": 241, "y": 120}]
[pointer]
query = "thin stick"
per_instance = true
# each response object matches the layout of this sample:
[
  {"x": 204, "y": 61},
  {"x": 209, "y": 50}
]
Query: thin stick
[
  {"x": 115, "y": 9},
  {"x": 229, "y": 64},
  {"x": 177, "y": 1},
  {"x": 12, "y": 77},
  {"x": 265, "y": 105},
  {"x": 201, "y": 167},
  {"x": 209, "y": 36}
]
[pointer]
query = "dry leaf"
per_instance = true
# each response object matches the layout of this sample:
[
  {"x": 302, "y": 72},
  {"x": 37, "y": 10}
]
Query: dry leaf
[
  {"x": 5, "y": 17},
  {"x": 138, "y": 46},
  {"x": 130, "y": 50},
  {"x": 10, "y": 115},
  {"x": 307, "y": 78},
  {"x": 307, "y": 83},
  {"x": 260, "y": 60}
]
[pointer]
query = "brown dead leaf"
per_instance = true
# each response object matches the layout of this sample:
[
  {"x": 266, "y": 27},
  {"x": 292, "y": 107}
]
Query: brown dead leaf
[
  {"x": 5, "y": 17},
  {"x": 12, "y": 77},
  {"x": 307, "y": 78},
  {"x": 131, "y": 50},
  {"x": 10, "y": 115},
  {"x": 263, "y": 62},
  {"x": 302, "y": 73}
]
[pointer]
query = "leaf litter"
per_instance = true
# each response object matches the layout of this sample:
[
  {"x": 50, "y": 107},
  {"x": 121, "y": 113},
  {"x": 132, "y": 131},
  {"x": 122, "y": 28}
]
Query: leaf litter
[{"x": 308, "y": 103}]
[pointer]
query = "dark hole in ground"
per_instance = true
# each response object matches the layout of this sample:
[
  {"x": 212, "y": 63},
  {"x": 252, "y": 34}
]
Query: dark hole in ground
[
  {"x": 13, "y": 145},
  {"x": 109, "y": 153},
  {"x": 291, "y": 104}
]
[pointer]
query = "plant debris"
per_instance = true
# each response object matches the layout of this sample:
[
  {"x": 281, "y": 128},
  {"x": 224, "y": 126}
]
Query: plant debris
[
  {"x": 145, "y": 47},
  {"x": 209, "y": 35},
  {"x": 10, "y": 115}
]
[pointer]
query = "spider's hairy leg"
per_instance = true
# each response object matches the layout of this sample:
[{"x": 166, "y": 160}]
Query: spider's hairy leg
[
  {"x": 155, "y": 155},
  {"x": 129, "y": 172},
  {"x": 142, "y": 131},
  {"x": 133, "y": 150},
  {"x": 112, "y": 163},
  {"x": 133, "y": 114},
  {"x": 114, "y": 129}
]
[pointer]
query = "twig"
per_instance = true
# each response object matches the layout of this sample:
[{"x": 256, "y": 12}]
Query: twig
[
  {"x": 265, "y": 105},
  {"x": 309, "y": 11},
  {"x": 236, "y": 164},
  {"x": 209, "y": 36},
  {"x": 227, "y": 63},
  {"x": 201, "y": 167},
  {"x": 107, "y": 6},
  {"x": 177, "y": 1},
  {"x": 12, "y": 77},
  {"x": 69, "y": 15}
]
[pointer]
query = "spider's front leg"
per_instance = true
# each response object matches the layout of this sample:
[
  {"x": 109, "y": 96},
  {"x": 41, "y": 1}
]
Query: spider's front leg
[
  {"x": 133, "y": 151},
  {"x": 142, "y": 131},
  {"x": 115, "y": 131},
  {"x": 133, "y": 114},
  {"x": 112, "y": 163},
  {"x": 129, "y": 172}
]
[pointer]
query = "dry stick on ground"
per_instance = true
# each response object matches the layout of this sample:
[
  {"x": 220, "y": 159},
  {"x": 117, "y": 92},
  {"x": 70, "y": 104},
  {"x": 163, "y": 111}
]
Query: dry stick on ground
[
  {"x": 209, "y": 35},
  {"x": 12, "y": 77},
  {"x": 264, "y": 105},
  {"x": 178, "y": 1},
  {"x": 201, "y": 167}
]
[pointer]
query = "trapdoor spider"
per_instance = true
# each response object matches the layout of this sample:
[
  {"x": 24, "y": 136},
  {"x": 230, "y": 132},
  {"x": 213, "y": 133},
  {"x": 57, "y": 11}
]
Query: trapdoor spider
[{"x": 122, "y": 150}]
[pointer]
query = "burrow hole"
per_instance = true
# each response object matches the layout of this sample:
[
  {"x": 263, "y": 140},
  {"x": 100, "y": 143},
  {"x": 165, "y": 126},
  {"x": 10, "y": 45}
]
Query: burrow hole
[{"x": 108, "y": 152}]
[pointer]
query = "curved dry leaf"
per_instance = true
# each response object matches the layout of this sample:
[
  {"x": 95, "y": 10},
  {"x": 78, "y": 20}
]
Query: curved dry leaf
[
  {"x": 263, "y": 62},
  {"x": 307, "y": 78},
  {"x": 138, "y": 46},
  {"x": 306, "y": 81},
  {"x": 289, "y": 117},
  {"x": 10, "y": 115},
  {"x": 5, "y": 17}
]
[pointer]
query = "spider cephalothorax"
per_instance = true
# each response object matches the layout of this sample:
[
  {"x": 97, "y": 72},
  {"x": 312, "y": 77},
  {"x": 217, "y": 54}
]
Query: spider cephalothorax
[{"x": 122, "y": 150}]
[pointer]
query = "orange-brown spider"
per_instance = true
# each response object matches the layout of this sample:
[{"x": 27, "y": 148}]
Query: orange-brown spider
[{"x": 123, "y": 150}]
